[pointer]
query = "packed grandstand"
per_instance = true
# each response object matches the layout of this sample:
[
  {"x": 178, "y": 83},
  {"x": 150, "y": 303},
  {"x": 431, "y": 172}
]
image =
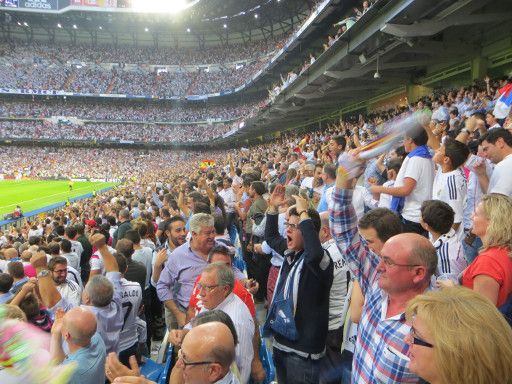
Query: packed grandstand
[{"x": 305, "y": 192}]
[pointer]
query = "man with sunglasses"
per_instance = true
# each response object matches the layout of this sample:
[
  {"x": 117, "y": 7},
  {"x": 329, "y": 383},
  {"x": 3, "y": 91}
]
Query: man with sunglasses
[{"x": 403, "y": 270}]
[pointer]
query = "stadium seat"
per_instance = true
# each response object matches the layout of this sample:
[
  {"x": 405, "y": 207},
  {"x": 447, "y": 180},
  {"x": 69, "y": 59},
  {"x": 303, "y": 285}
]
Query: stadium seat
[
  {"x": 266, "y": 360},
  {"x": 159, "y": 370}
]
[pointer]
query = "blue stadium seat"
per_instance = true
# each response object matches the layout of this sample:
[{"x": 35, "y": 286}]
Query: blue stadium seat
[
  {"x": 268, "y": 363},
  {"x": 159, "y": 370},
  {"x": 169, "y": 363}
]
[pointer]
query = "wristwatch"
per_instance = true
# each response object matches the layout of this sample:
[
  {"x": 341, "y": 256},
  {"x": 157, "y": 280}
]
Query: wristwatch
[{"x": 43, "y": 273}]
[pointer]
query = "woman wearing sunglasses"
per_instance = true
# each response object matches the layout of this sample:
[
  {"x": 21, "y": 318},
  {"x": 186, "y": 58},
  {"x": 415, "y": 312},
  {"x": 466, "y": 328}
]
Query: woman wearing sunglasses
[{"x": 458, "y": 336}]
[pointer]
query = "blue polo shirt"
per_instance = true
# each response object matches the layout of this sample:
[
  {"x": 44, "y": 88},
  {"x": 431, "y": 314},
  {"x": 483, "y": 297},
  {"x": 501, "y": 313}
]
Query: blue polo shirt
[{"x": 90, "y": 362}]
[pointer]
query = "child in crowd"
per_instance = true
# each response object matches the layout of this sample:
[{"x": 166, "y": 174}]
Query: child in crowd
[
  {"x": 437, "y": 218},
  {"x": 449, "y": 182},
  {"x": 383, "y": 200}
]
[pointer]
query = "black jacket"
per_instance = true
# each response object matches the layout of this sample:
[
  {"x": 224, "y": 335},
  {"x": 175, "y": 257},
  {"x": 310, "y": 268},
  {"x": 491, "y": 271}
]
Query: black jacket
[{"x": 312, "y": 312}]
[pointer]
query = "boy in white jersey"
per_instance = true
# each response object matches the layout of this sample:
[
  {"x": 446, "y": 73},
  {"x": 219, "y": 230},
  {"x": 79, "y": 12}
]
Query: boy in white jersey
[
  {"x": 450, "y": 183},
  {"x": 131, "y": 300},
  {"x": 437, "y": 218}
]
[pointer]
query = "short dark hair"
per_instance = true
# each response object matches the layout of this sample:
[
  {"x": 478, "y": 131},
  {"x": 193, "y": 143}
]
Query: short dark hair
[
  {"x": 54, "y": 248},
  {"x": 201, "y": 207},
  {"x": 80, "y": 228},
  {"x": 340, "y": 140},
  {"x": 395, "y": 164},
  {"x": 122, "y": 264},
  {"x": 71, "y": 232},
  {"x": 330, "y": 170},
  {"x": 15, "y": 269},
  {"x": 313, "y": 214},
  {"x": 34, "y": 240},
  {"x": 420, "y": 137},
  {"x": 456, "y": 151},
  {"x": 223, "y": 250},
  {"x": 385, "y": 222},
  {"x": 56, "y": 260},
  {"x": 125, "y": 246},
  {"x": 438, "y": 215},
  {"x": 6, "y": 282},
  {"x": 219, "y": 224},
  {"x": 65, "y": 245},
  {"x": 173, "y": 220},
  {"x": 132, "y": 235},
  {"x": 494, "y": 134},
  {"x": 259, "y": 187}
]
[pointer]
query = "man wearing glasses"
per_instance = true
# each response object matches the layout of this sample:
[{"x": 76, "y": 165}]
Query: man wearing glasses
[
  {"x": 215, "y": 289},
  {"x": 406, "y": 263},
  {"x": 69, "y": 290},
  {"x": 298, "y": 315},
  {"x": 206, "y": 354}
]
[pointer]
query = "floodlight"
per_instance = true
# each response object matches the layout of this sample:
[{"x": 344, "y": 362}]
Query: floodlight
[
  {"x": 100, "y": 28},
  {"x": 74, "y": 26},
  {"x": 146, "y": 29},
  {"x": 225, "y": 26},
  {"x": 188, "y": 30},
  {"x": 255, "y": 15},
  {"x": 59, "y": 25},
  {"x": 25, "y": 24}
]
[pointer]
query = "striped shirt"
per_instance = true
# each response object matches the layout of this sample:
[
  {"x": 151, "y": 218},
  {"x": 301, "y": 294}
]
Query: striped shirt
[
  {"x": 235, "y": 308},
  {"x": 380, "y": 354},
  {"x": 451, "y": 260}
]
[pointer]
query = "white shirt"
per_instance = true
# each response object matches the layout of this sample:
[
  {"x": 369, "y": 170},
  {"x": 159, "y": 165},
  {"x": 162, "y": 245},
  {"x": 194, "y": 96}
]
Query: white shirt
[
  {"x": 74, "y": 276},
  {"x": 73, "y": 260},
  {"x": 339, "y": 288},
  {"x": 77, "y": 247},
  {"x": 422, "y": 171},
  {"x": 451, "y": 187},
  {"x": 131, "y": 299},
  {"x": 71, "y": 292},
  {"x": 451, "y": 260},
  {"x": 501, "y": 179},
  {"x": 244, "y": 325},
  {"x": 307, "y": 183},
  {"x": 96, "y": 261},
  {"x": 229, "y": 199},
  {"x": 145, "y": 257},
  {"x": 474, "y": 194}
]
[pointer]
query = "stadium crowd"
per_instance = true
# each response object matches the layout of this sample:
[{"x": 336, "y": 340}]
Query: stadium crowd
[
  {"x": 85, "y": 69},
  {"x": 369, "y": 265},
  {"x": 136, "y": 111},
  {"x": 340, "y": 28},
  {"x": 102, "y": 132}
]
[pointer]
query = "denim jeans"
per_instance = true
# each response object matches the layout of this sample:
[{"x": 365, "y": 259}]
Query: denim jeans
[{"x": 294, "y": 369}]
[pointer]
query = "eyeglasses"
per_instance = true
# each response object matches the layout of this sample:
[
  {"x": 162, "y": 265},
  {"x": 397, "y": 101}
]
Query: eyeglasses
[
  {"x": 292, "y": 227},
  {"x": 207, "y": 288},
  {"x": 417, "y": 341},
  {"x": 390, "y": 263},
  {"x": 186, "y": 363}
]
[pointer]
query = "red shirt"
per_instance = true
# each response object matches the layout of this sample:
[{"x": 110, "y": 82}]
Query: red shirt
[
  {"x": 239, "y": 290},
  {"x": 495, "y": 263}
]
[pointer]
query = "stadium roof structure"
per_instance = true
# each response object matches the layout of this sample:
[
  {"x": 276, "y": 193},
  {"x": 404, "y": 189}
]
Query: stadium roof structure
[
  {"x": 205, "y": 22},
  {"x": 399, "y": 39}
]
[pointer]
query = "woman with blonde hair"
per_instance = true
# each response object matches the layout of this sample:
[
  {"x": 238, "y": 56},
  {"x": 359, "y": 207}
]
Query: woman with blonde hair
[
  {"x": 458, "y": 336},
  {"x": 490, "y": 274}
]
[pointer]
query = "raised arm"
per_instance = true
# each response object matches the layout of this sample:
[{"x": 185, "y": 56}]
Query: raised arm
[
  {"x": 272, "y": 236},
  {"x": 47, "y": 289},
  {"x": 343, "y": 223}
]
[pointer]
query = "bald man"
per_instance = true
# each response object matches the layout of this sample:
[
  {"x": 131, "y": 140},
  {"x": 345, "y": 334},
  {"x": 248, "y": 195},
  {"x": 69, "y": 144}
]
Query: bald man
[
  {"x": 206, "y": 355},
  {"x": 388, "y": 281},
  {"x": 10, "y": 254},
  {"x": 86, "y": 347}
]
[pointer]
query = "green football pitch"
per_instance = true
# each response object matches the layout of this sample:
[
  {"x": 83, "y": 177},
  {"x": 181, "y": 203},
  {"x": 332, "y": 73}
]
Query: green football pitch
[{"x": 34, "y": 194}]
